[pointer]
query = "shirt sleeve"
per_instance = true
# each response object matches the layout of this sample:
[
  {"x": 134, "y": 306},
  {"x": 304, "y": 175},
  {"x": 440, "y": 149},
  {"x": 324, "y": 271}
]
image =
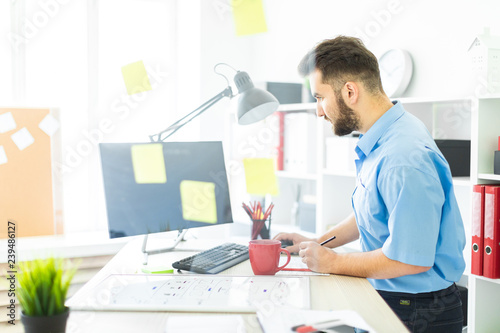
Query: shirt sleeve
[{"x": 414, "y": 201}]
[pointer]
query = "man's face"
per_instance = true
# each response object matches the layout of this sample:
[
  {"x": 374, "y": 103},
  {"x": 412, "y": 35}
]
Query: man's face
[{"x": 332, "y": 107}]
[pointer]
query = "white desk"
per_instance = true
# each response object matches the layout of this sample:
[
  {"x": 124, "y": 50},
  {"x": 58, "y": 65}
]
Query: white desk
[{"x": 332, "y": 292}]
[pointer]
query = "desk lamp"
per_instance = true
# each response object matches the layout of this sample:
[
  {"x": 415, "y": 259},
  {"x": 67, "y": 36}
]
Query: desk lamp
[{"x": 253, "y": 104}]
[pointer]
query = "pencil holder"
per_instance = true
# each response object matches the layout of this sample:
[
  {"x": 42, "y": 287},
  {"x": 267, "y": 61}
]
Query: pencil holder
[
  {"x": 259, "y": 227},
  {"x": 259, "y": 215}
]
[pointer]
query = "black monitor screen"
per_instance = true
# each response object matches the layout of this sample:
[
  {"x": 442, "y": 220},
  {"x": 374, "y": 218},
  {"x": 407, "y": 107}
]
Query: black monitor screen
[{"x": 158, "y": 187}]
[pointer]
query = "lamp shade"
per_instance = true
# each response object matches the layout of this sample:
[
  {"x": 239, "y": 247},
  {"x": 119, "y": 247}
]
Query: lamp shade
[{"x": 253, "y": 104}]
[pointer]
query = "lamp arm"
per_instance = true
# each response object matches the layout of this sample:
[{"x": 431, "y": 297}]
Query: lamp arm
[
  {"x": 202, "y": 108},
  {"x": 210, "y": 101},
  {"x": 174, "y": 129}
]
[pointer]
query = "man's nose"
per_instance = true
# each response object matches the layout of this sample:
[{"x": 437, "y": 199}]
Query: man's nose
[{"x": 319, "y": 110}]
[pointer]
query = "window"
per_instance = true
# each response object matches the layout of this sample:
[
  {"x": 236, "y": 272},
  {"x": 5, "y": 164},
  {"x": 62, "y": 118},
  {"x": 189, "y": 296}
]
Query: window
[
  {"x": 70, "y": 57},
  {"x": 5, "y": 54}
]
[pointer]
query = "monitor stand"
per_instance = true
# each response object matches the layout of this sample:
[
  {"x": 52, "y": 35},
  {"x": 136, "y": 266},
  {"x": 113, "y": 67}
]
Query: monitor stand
[{"x": 177, "y": 240}]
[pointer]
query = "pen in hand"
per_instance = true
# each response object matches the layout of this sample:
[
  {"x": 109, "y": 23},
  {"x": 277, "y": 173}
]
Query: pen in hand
[
  {"x": 326, "y": 241},
  {"x": 307, "y": 269}
]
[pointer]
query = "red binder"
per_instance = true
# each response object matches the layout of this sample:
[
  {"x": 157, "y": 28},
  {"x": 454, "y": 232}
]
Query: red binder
[
  {"x": 477, "y": 229},
  {"x": 491, "y": 259}
]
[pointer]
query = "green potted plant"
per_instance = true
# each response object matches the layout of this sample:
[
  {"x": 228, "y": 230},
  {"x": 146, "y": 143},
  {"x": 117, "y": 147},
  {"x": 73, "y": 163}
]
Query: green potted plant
[{"x": 42, "y": 288}]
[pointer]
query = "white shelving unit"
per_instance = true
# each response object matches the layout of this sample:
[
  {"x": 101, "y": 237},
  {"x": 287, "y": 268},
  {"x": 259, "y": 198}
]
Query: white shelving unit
[
  {"x": 484, "y": 293},
  {"x": 475, "y": 119}
]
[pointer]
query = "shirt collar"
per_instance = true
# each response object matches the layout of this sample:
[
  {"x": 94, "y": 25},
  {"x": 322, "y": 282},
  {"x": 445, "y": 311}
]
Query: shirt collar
[{"x": 367, "y": 141}]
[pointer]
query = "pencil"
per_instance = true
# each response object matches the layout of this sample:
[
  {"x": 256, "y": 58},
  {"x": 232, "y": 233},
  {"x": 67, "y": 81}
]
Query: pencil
[{"x": 329, "y": 239}]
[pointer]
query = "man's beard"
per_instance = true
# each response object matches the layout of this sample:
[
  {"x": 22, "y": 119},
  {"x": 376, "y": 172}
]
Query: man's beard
[{"x": 347, "y": 121}]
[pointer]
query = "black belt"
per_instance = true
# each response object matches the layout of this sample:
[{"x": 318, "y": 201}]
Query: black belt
[{"x": 442, "y": 292}]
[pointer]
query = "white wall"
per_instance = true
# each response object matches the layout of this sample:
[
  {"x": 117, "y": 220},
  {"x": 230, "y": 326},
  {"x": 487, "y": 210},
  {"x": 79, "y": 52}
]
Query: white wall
[{"x": 436, "y": 33}]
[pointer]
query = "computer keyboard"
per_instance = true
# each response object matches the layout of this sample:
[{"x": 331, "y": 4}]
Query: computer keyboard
[{"x": 214, "y": 260}]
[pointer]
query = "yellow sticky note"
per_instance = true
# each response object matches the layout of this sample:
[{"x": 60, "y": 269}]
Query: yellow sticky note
[
  {"x": 260, "y": 176},
  {"x": 198, "y": 201},
  {"x": 148, "y": 164},
  {"x": 136, "y": 78},
  {"x": 249, "y": 17}
]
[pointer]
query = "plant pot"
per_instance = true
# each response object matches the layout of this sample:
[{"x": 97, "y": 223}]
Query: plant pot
[{"x": 45, "y": 324}]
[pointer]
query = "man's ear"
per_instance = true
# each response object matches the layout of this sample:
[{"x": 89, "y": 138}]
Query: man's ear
[{"x": 350, "y": 92}]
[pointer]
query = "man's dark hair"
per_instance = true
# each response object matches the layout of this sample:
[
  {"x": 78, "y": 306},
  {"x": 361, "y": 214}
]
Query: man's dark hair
[{"x": 343, "y": 59}]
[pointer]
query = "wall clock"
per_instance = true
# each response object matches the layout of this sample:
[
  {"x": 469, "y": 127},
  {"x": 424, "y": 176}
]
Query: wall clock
[{"x": 396, "y": 68}]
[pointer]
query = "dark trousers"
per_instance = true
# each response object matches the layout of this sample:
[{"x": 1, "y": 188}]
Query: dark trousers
[{"x": 435, "y": 312}]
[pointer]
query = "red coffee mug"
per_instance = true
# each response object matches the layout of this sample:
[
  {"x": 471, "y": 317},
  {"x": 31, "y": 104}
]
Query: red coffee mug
[{"x": 265, "y": 256}]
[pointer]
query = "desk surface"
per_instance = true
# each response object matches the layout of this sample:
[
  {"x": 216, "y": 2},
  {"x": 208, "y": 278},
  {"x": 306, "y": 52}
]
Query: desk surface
[{"x": 332, "y": 292}]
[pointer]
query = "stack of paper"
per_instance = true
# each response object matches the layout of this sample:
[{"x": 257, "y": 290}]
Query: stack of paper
[{"x": 286, "y": 320}]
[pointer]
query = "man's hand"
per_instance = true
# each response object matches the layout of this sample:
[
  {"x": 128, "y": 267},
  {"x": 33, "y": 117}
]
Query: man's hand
[
  {"x": 317, "y": 258},
  {"x": 293, "y": 237},
  {"x": 373, "y": 264}
]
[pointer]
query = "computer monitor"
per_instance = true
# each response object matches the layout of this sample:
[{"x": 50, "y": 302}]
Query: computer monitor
[{"x": 164, "y": 186}]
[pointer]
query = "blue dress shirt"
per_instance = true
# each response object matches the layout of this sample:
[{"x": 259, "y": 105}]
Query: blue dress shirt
[{"x": 404, "y": 203}]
